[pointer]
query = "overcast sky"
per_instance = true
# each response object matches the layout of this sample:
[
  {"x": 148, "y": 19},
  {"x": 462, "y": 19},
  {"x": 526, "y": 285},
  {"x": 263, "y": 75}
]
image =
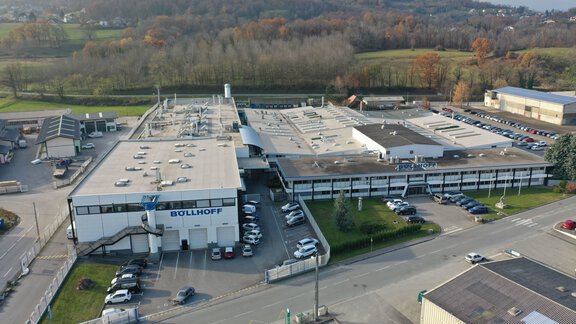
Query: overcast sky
[{"x": 539, "y": 5}]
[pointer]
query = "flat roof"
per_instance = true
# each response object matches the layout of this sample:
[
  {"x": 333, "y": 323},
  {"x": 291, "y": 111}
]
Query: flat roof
[
  {"x": 454, "y": 134},
  {"x": 212, "y": 164},
  {"x": 321, "y": 131},
  {"x": 537, "y": 95},
  {"x": 487, "y": 291},
  {"x": 383, "y": 98},
  {"x": 34, "y": 114},
  {"x": 311, "y": 167},
  {"x": 96, "y": 115},
  {"x": 394, "y": 135}
]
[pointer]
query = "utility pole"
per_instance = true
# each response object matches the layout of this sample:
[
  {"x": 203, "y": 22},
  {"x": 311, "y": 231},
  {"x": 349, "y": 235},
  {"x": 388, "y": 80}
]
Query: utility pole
[
  {"x": 36, "y": 219},
  {"x": 317, "y": 257},
  {"x": 520, "y": 183}
]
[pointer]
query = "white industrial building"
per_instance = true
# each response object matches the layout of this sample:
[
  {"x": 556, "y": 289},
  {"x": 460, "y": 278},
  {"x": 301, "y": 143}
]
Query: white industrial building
[
  {"x": 549, "y": 107},
  {"x": 184, "y": 191}
]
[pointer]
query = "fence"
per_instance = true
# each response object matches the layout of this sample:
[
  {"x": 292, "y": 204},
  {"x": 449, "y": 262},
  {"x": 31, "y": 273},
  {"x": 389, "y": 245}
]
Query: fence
[
  {"x": 49, "y": 294},
  {"x": 13, "y": 189},
  {"x": 293, "y": 269},
  {"x": 62, "y": 183}
]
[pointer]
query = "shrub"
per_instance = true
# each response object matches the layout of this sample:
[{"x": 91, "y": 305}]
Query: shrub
[
  {"x": 557, "y": 189},
  {"x": 570, "y": 188},
  {"x": 371, "y": 227}
]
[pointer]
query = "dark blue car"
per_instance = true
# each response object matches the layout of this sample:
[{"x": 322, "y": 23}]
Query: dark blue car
[{"x": 478, "y": 210}]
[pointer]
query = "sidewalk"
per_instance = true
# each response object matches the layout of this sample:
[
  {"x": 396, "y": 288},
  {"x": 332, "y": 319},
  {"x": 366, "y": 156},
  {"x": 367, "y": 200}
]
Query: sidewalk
[{"x": 20, "y": 304}]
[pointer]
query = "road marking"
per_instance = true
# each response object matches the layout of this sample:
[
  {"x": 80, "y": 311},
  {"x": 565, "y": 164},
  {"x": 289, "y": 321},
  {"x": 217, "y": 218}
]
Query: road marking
[
  {"x": 495, "y": 255},
  {"x": 361, "y": 275},
  {"x": 433, "y": 252},
  {"x": 450, "y": 230},
  {"x": 339, "y": 282},
  {"x": 159, "y": 267},
  {"x": 270, "y": 305},
  {"x": 9, "y": 270},
  {"x": 401, "y": 262},
  {"x": 176, "y": 266},
  {"x": 240, "y": 315},
  {"x": 533, "y": 224},
  {"x": 384, "y": 268},
  {"x": 219, "y": 321},
  {"x": 420, "y": 256}
]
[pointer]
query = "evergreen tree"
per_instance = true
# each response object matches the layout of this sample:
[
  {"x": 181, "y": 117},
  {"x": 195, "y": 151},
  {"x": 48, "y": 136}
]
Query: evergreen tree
[
  {"x": 342, "y": 215},
  {"x": 563, "y": 155}
]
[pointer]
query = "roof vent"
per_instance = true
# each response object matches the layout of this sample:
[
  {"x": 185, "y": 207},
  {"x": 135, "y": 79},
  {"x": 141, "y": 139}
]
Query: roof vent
[
  {"x": 470, "y": 155},
  {"x": 482, "y": 155},
  {"x": 179, "y": 145},
  {"x": 561, "y": 289},
  {"x": 514, "y": 311},
  {"x": 144, "y": 147},
  {"x": 456, "y": 156}
]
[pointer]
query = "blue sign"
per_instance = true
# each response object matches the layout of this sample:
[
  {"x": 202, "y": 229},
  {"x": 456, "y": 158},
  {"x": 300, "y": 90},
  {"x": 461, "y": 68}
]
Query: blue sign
[
  {"x": 195, "y": 212},
  {"x": 413, "y": 166}
]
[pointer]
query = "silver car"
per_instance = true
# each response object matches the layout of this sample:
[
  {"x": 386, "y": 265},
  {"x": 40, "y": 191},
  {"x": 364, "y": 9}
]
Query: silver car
[{"x": 182, "y": 295}]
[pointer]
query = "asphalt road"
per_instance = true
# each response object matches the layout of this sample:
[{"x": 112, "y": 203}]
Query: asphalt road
[{"x": 387, "y": 285}]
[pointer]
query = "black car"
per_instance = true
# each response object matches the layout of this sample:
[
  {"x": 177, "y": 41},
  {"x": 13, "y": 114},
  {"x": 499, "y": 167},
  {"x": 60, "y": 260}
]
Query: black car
[
  {"x": 141, "y": 262},
  {"x": 133, "y": 269},
  {"x": 455, "y": 199},
  {"x": 478, "y": 210},
  {"x": 471, "y": 204},
  {"x": 464, "y": 201},
  {"x": 415, "y": 220},
  {"x": 406, "y": 210}
]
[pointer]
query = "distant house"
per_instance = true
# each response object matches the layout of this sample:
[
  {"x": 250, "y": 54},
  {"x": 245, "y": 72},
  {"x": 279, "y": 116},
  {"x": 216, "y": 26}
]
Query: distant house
[
  {"x": 385, "y": 102},
  {"x": 59, "y": 137},
  {"x": 573, "y": 18},
  {"x": 510, "y": 291},
  {"x": 100, "y": 121}
]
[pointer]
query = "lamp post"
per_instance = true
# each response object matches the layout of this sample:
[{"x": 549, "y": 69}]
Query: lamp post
[
  {"x": 316, "y": 257},
  {"x": 520, "y": 183}
]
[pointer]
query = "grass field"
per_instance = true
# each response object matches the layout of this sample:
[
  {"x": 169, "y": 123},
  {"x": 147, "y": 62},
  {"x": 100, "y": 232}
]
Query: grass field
[
  {"x": 374, "y": 211},
  {"x": 412, "y": 54},
  {"x": 75, "y": 306},
  {"x": 26, "y": 105},
  {"x": 529, "y": 198},
  {"x": 74, "y": 31}
]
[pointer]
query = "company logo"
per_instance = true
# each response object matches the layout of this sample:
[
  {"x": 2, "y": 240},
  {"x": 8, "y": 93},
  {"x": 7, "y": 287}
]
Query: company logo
[
  {"x": 195, "y": 212},
  {"x": 413, "y": 166}
]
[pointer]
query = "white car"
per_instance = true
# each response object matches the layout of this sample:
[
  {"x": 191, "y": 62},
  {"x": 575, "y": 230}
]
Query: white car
[
  {"x": 474, "y": 257},
  {"x": 542, "y": 143},
  {"x": 95, "y": 134},
  {"x": 290, "y": 207},
  {"x": 394, "y": 202},
  {"x": 297, "y": 212},
  {"x": 251, "y": 226},
  {"x": 251, "y": 239},
  {"x": 306, "y": 241},
  {"x": 255, "y": 233},
  {"x": 119, "y": 296},
  {"x": 400, "y": 205},
  {"x": 305, "y": 251},
  {"x": 88, "y": 146},
  {"x": 247, "y": 251},
  {"x": 124, "y": 276}
]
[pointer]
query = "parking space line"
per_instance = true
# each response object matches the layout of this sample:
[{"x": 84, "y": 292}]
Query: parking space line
[
  {"x": 270, "y": 305},
  {"x": 176, "y": 265},
  {"x": 339, "y": 282},
  {"x": 495, "y": 255},
  {"x": 433, "y": 252},
  {"x": 218, "y": 321},
  {"x": 9, "y": 270},
  {"x": 242, "y": 314},
  {"x": 383, "y": 268},
  {"x": 159, "y": 267},
  {"x": 361, "y": 275}
]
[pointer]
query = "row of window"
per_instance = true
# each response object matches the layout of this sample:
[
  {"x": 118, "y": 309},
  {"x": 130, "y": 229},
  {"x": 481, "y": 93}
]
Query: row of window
[{"x": 165, "y": 205}]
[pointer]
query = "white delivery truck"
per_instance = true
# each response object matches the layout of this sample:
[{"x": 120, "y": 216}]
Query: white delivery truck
[{"x": 69, "y": 232}]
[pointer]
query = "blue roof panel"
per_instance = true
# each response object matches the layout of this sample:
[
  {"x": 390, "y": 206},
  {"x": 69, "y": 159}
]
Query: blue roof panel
[{"x": 538, "y": 95}]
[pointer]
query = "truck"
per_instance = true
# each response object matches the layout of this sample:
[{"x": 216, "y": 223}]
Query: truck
[{"x": 59, "y": 172}]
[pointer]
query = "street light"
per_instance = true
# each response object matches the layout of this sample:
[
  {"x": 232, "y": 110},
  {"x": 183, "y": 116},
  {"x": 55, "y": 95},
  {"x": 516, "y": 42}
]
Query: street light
[
  {"x": 316, "y": 257},
  {"x": 520, "y": 183}
]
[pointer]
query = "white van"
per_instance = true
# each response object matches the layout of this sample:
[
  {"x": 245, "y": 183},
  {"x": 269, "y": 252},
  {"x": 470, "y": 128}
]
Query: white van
[
  {"x": 249, "y": 209},
  {"x": 69, "y": 233}
]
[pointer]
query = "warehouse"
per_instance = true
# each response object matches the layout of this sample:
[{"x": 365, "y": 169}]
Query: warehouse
[
  {"x": 100, "y": 121},
  {"x": 159, "y": 194},
  {"x": 511, "y": 291},
  {"x": 59, "y": 137},
  {"x": 548, "y": 107}
]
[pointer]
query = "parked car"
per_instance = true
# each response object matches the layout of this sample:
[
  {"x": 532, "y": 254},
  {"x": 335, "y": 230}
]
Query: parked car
[
  {"x": 296, "y": 220},
  {"x": 307, "y": 241},
  {"x": 255, "y": 233},
  {"x": 305, "y": 251},
  {"x": 471, "y": 204},
  {"x": 183, "y": 294},
  {"x": 216, "y": 254},
  {"x": 88, "y": 146},
  {"x": 251, "y": 226},
  {"x": 251, "y": 219},
  {"x": 290, "y": 207},
  {"x": 120, "y": 296},
  {"x": 247, "y": 251},
  {"x": 95, "y": 134},
  {"x": 406, "y": 210},
  {"x": 441, "y": 199},
  {"x": 393, "y": 202},
  {"x": 415, "y": 219},
  {"x": 251, "y": 239},
  {"x": 123, "y": 277},
  {"x": 297, "y": 212},
  {"x": 478, "y": 210},
  {"x": 568, "y": 224},
  {"x": 542, "y": 143},
  {"x": 474, "y": 257},
  {"x": 458, "y": 198},
  {"x": 536, "y": 148},
  {"x": 249, "y": 209},
  {"x": 141, "y": 262},
  {"x": 132, "y": 285},
  {"x": 400, "y": 205},
  {"x": 129, "y": 269},
  {"x": 229, "y": 252},
  {"x": 253, "y": 203},
  {"x": 464, "y": 201}
]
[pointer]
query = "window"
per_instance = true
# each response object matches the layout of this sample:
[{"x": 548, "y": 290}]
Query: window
[
  {"x": 202, "y": 203},
  {"x": 216, "y": 202},
  {"x": 106, "y": 209},
  {"x": 134, "y": 207},
  {"x": 120, "y": 208},
  {"x": 228, "y": 202},
  {"x": 189, "y": 204},
  {"x": 162, "y": 206},
  {"x": 94, "y": 209},
  {"x": 174, "y": 205},
  {"x": 81, "y": 210},
  {"x": 411, "y": 151}
]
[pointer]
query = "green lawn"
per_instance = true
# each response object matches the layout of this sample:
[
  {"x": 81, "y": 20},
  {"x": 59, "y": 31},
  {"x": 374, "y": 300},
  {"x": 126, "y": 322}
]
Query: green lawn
[
  {"x": 7, "y": 105},
  {"x": 373, "y": 211},
  {"x": 407, "y": 54},
  {"x": 74, "y": 31},
  {"x": 529, "y": 198},
  {"x": 74, "y": 306}
]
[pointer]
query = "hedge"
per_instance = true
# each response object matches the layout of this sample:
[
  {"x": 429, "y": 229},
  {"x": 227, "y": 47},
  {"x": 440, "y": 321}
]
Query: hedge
[{"x": 376, "y": 238}]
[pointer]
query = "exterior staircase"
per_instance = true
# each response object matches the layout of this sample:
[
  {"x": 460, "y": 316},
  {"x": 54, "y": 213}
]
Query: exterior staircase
[{"x": 89, "y": 247}]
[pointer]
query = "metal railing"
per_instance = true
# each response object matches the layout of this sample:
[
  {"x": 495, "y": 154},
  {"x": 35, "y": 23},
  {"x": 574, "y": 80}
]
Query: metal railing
[{"x": 62, "y": 183}]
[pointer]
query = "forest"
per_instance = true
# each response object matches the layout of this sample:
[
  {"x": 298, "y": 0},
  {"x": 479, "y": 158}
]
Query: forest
[{"x": 334, "y": 46}]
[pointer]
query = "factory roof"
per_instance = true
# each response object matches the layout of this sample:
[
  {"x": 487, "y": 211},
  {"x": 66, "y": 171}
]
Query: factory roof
[
  {"x": 369, "y": 164},
  {"x": 394, "y": 135},
  {"x": 538, "y": 95},
  {"x": 96, "y": 115},
  {"x": 511, "y": 291},
  {"x": 59, "y": 126},
  {"x": 172, "y": 164}
]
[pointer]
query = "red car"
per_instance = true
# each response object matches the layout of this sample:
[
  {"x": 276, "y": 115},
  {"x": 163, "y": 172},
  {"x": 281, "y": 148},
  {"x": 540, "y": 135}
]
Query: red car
[
  {"x": 568, "y": 224},
  {"x": 448, "y": 109},
  {"x": 229, "y": 252},
  {"x": 528, "y": 140}
]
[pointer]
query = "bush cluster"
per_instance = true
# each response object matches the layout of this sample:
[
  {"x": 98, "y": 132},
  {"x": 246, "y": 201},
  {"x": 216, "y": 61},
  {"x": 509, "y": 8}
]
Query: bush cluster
[{"x": 377, "y": 237}]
